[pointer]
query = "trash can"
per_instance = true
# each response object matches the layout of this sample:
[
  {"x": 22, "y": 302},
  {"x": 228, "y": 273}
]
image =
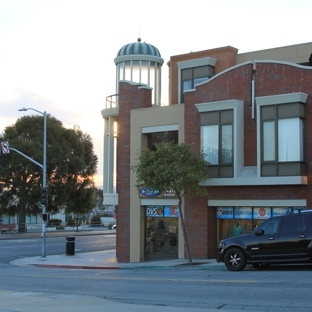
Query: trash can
[{"x": 70, "y": 245}]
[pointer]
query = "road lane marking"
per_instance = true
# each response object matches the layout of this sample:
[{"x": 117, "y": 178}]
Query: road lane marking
[{"x": 145, "y": 279}]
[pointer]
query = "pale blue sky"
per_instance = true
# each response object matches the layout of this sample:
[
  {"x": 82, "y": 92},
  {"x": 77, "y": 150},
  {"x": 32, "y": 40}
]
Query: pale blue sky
[{"x": 58, "y": 55}]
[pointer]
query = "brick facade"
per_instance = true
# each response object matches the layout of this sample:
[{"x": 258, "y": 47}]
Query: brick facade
[
  {"x": 270, "y": 79},
  {"x": 130, "y": 97}
]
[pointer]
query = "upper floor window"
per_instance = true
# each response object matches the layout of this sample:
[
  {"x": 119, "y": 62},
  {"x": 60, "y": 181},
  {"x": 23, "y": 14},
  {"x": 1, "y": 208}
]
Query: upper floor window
[
  {"x": 192, "y": 73},
  {"x": 222, "y": 137},
  {"x": 217, "y": 141},
  {"x": 191, "y": 77},
  {"x": 282, "y": 134},
  {"x": 283, "y": 140}
]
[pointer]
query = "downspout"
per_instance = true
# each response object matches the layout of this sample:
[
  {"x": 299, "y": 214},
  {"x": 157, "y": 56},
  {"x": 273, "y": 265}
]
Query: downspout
[{"x": 253, "y": 90}]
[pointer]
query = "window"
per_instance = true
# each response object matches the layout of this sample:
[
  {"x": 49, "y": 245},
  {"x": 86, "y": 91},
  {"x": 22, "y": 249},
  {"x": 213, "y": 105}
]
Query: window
[
  {"x": 282, "y": 139},
  {"x": 191, "y": 77},
  {"x": 222, "y": 138},
  {"x": 291, "y": 224},
  {"x": 281, "y": 134},
  {"x": 270, "y": 226},
  {"x": 193, "y": 72},
  {"x": 217, "y": 141}
]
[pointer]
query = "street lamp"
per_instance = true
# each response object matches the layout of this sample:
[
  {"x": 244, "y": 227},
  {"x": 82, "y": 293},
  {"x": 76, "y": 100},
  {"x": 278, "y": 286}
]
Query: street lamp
[{"x": 44, "y": 173}]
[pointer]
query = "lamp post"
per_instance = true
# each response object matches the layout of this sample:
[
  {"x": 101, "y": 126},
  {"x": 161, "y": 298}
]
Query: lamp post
[{"x": 44, "y": 174}]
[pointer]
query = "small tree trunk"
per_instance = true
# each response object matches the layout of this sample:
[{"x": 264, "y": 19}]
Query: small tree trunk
[
  {"x": 77, "y": 225},
  {"x": 22, "y": 218},
  {"x": 187, "y": 250}
]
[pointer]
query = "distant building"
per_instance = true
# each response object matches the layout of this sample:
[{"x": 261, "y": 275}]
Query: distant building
[{"x": 251, "y": 113}]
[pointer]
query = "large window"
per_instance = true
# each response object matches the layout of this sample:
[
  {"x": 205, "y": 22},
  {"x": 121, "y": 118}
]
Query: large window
[
  {"x": 217, "y": 142},
  {"x": 282, "y": 134},
  {"x": 191, "y": 77},
  {"x": 283, "y": 140}
]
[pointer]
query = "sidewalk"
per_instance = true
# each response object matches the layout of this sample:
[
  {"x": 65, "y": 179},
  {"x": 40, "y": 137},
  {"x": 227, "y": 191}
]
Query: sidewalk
[
  {"x": 106, "y": 260},
  {"x": 100, "y": 259}
]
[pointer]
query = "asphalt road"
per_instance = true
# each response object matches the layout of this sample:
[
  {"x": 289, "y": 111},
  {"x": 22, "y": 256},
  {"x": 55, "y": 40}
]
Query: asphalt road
[
  {"x": 280, "y": 289},
  {"x": 249, "y": 290}
]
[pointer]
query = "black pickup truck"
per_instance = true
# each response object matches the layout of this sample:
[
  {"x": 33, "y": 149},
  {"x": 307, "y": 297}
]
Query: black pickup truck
[{"x": 279, "y": 240}]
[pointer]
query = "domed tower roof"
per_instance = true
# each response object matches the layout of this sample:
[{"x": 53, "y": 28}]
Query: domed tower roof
[
  {"x": 138, "y": 51},
  {"x": 138, "y": 47}
]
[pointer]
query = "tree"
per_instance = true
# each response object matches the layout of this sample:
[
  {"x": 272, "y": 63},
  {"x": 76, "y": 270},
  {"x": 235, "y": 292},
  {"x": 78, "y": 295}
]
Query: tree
[
  {"x": 99, "y": 199},
  {"x": 171, "y": 166},
  {"x": 81, "y": 199},
  {"x": 71, "y": 165}
]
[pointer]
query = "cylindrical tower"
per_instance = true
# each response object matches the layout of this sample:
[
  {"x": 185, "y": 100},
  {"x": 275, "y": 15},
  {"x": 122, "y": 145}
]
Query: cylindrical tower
[
  {"x": 135, "y": 62},
  {"x": 140, "y": 62}
]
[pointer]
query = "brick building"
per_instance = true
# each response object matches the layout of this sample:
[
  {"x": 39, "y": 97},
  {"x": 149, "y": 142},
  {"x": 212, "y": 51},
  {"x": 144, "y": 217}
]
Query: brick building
[{"x": 251, "y": 113}]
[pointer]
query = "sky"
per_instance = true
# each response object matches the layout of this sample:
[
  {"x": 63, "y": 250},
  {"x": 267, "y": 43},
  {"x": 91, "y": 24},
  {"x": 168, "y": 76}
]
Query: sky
[{"x": 58, "y": 55}]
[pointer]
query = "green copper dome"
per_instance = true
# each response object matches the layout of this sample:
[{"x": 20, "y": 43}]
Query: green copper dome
[{"x": 138, "y": 48}]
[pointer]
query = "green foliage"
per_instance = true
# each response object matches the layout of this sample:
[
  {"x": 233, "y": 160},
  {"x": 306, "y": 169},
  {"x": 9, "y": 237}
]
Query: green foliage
[
  {"x": 71, "y": 165},
  {"x": 54, "y": 222},
  {"x": 172, "y": 166},
  {"x": 71, "y": 223},
  {"x": 99, "y": 199},
  {"x": 96, "y": 220}
]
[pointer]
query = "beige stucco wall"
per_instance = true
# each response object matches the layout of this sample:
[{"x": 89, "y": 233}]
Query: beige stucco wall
[
  {"x": 140, "y": 118},
  {"x": 298, "y": 54}
]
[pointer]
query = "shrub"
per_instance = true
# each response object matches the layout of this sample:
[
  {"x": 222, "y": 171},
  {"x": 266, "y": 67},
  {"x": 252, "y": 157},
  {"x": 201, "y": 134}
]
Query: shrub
[
  {"x": 54, "y": 222},
  {"x": 96, "y": 220},
  {"x": 71, "y": 223}
]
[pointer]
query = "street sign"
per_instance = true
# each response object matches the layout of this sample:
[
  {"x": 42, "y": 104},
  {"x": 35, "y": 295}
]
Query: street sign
[{"x": 5, "y": 147}]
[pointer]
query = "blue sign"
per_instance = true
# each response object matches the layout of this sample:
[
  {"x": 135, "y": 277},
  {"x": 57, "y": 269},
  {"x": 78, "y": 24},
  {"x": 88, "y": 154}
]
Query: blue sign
[
  {"x": 154, "y": 211},
  {"x": 262, "y": 213},
  {"x": 242, "y": 213},
  {"x": 171, "y": 212},
  {"x": 224, "y": 212},
  {"x": 281, "y": 211},
  {"x": 149, "y": 192}
]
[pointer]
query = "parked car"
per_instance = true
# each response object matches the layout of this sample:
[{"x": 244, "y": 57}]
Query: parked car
[
  {"x": 114, "y": 227},
  {"x": 283, "y": 239}
]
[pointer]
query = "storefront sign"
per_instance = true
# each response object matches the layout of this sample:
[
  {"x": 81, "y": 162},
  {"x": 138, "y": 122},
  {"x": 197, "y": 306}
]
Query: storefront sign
[
  {"x": 171, "y": 212},
  {"x": 224, "y": 212},
  {"x": 242, "y": 213},
  {"x": 281, "y": 211},
  {"x": 151, "y": 192},
  {"x": 262, "y": 213},
  {"x": 154, "y": 211}
]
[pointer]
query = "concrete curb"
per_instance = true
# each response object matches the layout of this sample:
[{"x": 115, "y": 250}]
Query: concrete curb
[{"x": 64, "y": 266}]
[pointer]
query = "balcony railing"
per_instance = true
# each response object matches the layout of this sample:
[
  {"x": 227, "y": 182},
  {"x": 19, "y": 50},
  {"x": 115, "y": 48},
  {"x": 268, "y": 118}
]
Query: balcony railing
[{"x": 112, "y": 101}]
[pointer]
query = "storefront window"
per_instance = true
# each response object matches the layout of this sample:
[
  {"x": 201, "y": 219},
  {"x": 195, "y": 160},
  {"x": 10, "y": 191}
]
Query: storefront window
[
  {"x": 242, "y": 220},
  {"x": 161, "y": 230}
]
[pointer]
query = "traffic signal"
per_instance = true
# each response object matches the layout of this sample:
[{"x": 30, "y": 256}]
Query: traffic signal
[
  {"x": 43, "y": 196},
  {"x": 45, "y": 217}
]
